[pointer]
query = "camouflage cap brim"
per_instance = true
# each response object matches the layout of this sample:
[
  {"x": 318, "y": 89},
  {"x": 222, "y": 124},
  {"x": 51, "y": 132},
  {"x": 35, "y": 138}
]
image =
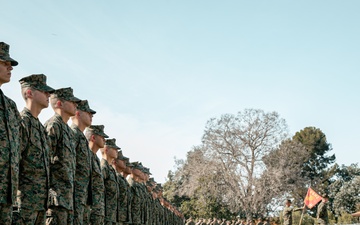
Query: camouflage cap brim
[
  {"x": 146, "y": 170},
  {"x": 45, "y": 88},
  {"x": 111, "y": 143},
  {"x": 88, "y": 110},
  {"x": 73, "y": 99},
  {"x": 5, "y": 55},
  {"x": 102, "y": 134},
  {"x": 136, "y": 165},
  {"x": 8, "y": 59},
  {"x": 121, "y": 157},
  {"x": 126, "y": 159},
  {"x": 129, "y": 164},
  {"x": 65, "y": 94},
  {"x": 92, "y": 111},
  {"x": 84, "y": 106},
  {"x": 113, "y": 146},
  {"x": 37, "y": 82},
  {"x": 96, "y": 130}
]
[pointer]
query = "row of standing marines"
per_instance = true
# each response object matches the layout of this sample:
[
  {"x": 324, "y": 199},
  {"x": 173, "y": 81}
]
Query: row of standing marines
[{"x": 50, "y": 174}]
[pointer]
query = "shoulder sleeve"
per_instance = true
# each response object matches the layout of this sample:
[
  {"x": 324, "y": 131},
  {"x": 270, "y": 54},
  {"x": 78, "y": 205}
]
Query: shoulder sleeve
[
  {"x": 104, "y": 171},
  {"x": 24, "y": 133},
  {"x": 76, "y": 138},
  {"x": 54, "y": 132}
]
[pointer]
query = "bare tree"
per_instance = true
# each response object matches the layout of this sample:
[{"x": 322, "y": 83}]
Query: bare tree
[{"x": 231, "y": 153}]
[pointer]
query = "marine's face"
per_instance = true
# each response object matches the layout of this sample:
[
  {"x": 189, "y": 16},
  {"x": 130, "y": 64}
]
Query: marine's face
[
  {"x": 69, "y": 107},
  {"x": 41, "y": 98},
  {"x": 5, "y": 72},
  {"x": 154, "y": 194},
  {"x": 149, "y": 188},
  {"x": 128, "y": 170},
  {"x": 112, "y": 152},
  {"x": 136, "y": 172},
  {"x": 99, "y": 141},
  {"x": 143, "y": 176},
  {"x": 86, "y": 118},
  {"x": 120, "y": 164}
]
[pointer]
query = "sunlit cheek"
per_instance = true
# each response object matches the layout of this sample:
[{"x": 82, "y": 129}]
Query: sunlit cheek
[{"x": 46, "y": 98}]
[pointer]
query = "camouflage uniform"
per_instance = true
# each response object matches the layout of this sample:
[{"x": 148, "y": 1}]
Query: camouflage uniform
[
  {"x": 111, "y": 187},
  {"x": 123, "y": 198},
  {"x": 97, "y": 212},
  {"x": 142, "y": 193},
  {"x": 135, "y": 201},
  {"x": 32, "y": 196},
  {"x": 83, "y": 171},
  {"x": 149, "y": 199},
  {"x": 34, "y": 169},
  {"x": 159, "y": 208},
  {"x": 144, "y": 203},
  {"x": 111, "y": 192},
  {"x": 9, "y": 146},
  {"x": 167, "y": 216},
  {"x": 152, "y": 208},
  {"x": 129, "y": 194},
  {"x": 82, "y": 176},
  {"x": 62, "y": 165},
  {"x": 123, "y": 194},
  {"x": 159, "y": 212},
  {"x": 322, "y": 214},
  {"x": 287, "y": 213},
  {"x": 151, "y": 212}
]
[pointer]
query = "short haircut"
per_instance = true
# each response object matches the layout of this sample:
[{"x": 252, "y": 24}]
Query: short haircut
[
  {"x": 103, "y": 149},
  {"x": 24, "y": 90},
  {"x": 53, "y": 101},
  {"x": 88, "y": 135}
]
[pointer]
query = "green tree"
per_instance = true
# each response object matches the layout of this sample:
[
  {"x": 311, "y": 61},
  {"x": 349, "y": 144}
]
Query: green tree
[
  {"x": 318, "y": 168},
  {"x": 344, "y": 190},
  {"x": 169, "y": 191},
  {"x": 347, "y": 173}
]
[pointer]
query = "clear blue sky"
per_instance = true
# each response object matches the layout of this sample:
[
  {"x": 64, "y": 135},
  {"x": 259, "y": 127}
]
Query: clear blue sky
[{"x": 156, "y": 71}]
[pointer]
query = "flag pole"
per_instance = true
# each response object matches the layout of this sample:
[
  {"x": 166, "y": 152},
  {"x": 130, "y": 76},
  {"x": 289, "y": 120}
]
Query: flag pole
[
  {"x": 304, "y": 207},
  {"x": 302, "y": 214}
]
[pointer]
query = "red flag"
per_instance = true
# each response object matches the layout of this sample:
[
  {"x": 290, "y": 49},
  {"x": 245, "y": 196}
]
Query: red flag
[{"x": 312, "y": 198}]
